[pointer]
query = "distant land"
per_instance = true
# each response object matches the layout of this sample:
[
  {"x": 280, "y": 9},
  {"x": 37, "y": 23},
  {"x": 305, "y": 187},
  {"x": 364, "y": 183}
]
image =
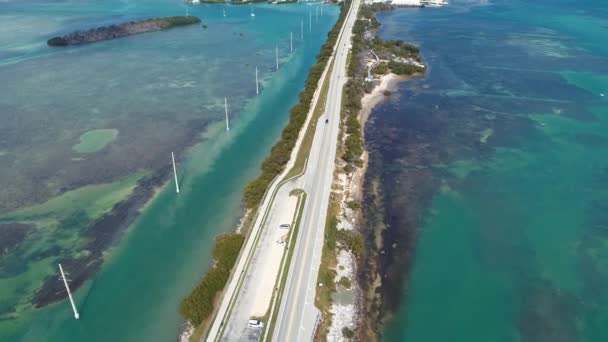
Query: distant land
[{"x": 122, "y": 30}]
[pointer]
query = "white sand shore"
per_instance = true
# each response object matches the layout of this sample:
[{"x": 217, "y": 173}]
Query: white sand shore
[{"x": 369, "y": 101}]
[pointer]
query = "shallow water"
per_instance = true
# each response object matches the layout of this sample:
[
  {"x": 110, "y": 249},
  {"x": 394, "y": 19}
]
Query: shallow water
[
  {"x": 494, "y": 175},
  {"x": 163, "y": 92}
]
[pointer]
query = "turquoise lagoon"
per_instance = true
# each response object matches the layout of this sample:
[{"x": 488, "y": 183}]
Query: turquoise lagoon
[
  {"x": 494, "y": 174},
  {"x": 161, "y": 92}
]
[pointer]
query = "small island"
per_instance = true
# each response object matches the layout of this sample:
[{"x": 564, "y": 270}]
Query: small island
[{"x": 122, "y": 30}]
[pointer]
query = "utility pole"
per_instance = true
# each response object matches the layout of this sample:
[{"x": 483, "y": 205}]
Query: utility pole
[
  {"x": 226, "y": 109},
  {"x": 291, "y": 42},
  {"x": 276, "y": 49},
  {"x": 310, "y": 21},
  {"x": 174, "y": 173},
  {"x": 67, "y": 287},
  {"x": 257, "y": 89},
  {"x": 302, "y": 29}
]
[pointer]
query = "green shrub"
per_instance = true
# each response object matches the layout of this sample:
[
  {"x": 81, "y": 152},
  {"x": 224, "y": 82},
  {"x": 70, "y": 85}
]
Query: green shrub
[
  {"x": 330, "y": 232},
  {"x": 354, "y": 205},
  {"x": 344, "y": 282},
  {"x": 353, "y": 241},
  {"x": 198, "y": 305},
  {"x": 404, "y": 69},
  {"x": 380, "y": 69},
  {"x": 348, "y": 168},
  {"x": 348, "y": 333}
]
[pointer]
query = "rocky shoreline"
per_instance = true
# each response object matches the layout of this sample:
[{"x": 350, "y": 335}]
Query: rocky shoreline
[
  {"x": 393, "y": 62},
  {"x": 351, "y": 306},
  {"x": 122, "y": 30}
]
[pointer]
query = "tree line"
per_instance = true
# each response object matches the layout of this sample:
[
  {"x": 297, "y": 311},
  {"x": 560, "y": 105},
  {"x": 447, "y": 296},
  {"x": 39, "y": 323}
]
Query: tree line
[
  {"x": 198, "y": 305},
  {"x": 357, "y": 85},
  {"x": 281, "y": 151}
]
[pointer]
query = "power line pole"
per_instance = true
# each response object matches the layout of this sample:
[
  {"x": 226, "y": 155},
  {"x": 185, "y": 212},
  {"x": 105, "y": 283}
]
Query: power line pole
[
  {"x": 257, "y": 89},
  {"x": 174, "y": 173},
  {"x": 291, "y": 42},
  {"x": 226, "y": 109},
  {"x": 276, "y": 50},
  {"x": 67, "y": 287}
]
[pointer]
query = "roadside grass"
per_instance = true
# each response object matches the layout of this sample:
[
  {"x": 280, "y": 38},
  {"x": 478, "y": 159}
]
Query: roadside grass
[
  {"x": 325, "y": 280},
  {"x": 304, "y": 151},
  {"x": 286, "y": 261},
  {"x": 329, "y": 258}
]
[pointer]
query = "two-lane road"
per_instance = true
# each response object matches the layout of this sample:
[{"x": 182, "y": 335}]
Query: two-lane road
[{"x": 298, "y": 315}]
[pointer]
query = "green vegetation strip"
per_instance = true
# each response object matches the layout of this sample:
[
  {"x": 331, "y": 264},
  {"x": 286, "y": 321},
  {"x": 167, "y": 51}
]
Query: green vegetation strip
[
  {"x": 199, "y": 304},
  {"x": 327, "y": 272},
  {"x": 300, "y": 163},
  {"x": 285, "y": 262},
  {"x": 203, "y": 328},
  {"x": 353, "y": 92},
  {"x": 281, "y": 151}
]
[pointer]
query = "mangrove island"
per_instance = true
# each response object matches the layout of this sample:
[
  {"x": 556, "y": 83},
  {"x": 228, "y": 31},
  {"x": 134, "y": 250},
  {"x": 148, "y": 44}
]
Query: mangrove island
[{"x": 122, "y": 30}]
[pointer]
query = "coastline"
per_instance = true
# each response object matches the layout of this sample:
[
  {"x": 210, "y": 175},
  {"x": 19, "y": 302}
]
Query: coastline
[
  {"x": 349, "y": 305},
  {"x": 350, "y": 312},
  {"x": 353, "y": 186},
  {"x": 388, "y": 82}
]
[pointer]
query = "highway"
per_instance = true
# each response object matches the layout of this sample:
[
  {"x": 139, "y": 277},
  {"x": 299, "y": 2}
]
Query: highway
[
  {"x": 247, "y": 291},
  {"x": 298, "y": 315}
]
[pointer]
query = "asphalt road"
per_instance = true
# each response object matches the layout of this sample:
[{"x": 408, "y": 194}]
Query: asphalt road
[
  {"x": 298, "y": 315},
  {"x": 259, "y": 282},
  {"x": 295, "y": 322}
]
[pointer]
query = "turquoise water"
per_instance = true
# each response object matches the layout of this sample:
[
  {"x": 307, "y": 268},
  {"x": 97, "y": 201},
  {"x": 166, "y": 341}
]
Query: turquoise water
[
  {"x": 494, "y": 174},
  {"x": 163, "y": 92}
]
